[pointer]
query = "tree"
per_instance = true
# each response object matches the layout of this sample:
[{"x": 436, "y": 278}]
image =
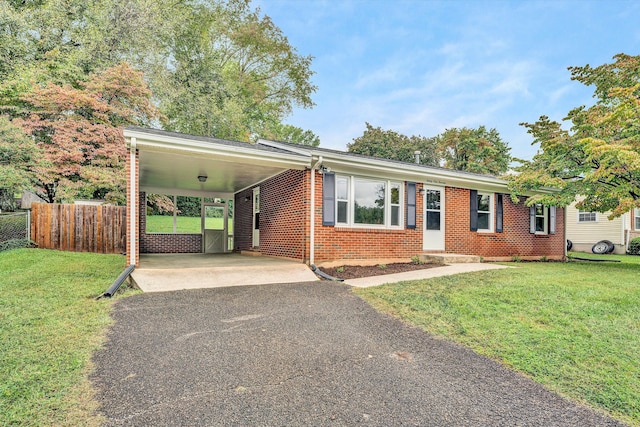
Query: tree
[
  {"x": 599, "y": 157},
  {"x": 19, "y": 160},
  {"x": 233, "y": 73},
  {"x": 292, "y": 135},
  {"x": 474, "y": 150},
  {"x": 392, "y": 145},
  {"x": 79, "y": 131},
  {"x": 215, "y": 67}
]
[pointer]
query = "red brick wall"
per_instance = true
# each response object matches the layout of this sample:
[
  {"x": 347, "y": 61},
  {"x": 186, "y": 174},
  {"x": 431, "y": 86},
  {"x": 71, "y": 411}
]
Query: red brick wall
[
  {"x": 165, "y": 243},
  {"x": 283, "y": 211},
  {"x": 335, "y": 243},
  {"x": 515, "y": 240},
  {"x": 242, "y": 220}
]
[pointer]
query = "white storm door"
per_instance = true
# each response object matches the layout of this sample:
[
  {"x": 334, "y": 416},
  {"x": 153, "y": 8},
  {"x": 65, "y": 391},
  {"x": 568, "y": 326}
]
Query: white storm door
[
  {"x": 433, "y": 234},
  {"x": 214, "y": 227},
  {"x": 256, "y": 218}
]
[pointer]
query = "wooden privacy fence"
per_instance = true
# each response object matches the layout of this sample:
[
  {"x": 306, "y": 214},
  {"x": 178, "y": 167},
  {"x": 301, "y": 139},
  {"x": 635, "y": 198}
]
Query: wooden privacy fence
[{"x": 79, "y": 228}]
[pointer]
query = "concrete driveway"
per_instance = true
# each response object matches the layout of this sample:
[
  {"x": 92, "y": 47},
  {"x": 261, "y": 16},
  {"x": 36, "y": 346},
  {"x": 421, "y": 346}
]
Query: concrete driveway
[{"x": 302, "y": 354}]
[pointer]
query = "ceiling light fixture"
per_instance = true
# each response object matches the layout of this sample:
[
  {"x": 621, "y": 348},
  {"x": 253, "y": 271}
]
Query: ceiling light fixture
[{"x": 202, "y": 178}]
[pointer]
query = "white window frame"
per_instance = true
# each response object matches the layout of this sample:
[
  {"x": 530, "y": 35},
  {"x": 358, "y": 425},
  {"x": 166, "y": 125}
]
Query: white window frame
[
  {"x": 545, "y": 215},
  {"x": 490, "y": 212},
  {"x": 582, "y": 216},
  {"x": 351, "y": 183},
  {"x": 636, "y": 219}
]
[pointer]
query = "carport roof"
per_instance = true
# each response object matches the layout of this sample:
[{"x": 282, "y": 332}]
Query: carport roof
[{"x": 171, "y": 162}]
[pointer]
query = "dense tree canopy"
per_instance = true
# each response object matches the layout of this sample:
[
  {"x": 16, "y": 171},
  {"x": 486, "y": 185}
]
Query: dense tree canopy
[
  {"x": 20, "y": 159},
  {"x": 599, "y": 157},
  {"x": 215, "y": 67},
  {"x": 472, "y": 150},
  {"x": 79, "y": 132},
  {"x": 392, "y": 145}
]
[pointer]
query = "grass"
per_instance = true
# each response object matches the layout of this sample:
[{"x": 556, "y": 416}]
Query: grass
[
  {"x": 574, "y": 327},
  {"x": 184, "y": 224},
  {"x": 627, "y": 259},
  {"x": 50, "y": 324}
]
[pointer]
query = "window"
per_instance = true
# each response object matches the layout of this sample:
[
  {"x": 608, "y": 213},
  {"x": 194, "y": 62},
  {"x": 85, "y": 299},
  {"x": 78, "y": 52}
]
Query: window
[
  {"x": 585, "y": 216},
  {"x": 636, "y": 218},
  {"x": 361, "y": 201},
  {"x": 173, "y": 214},
  {"x": 542, "y": 219},
  {"x": 485, "y": 202},
  {"x": 432, "y": 205},
  {"x": 342, "y": 200}
]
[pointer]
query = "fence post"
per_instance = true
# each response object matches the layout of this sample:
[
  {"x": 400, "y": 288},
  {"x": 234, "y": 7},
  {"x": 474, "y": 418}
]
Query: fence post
[{"x": 29, "y": 224}]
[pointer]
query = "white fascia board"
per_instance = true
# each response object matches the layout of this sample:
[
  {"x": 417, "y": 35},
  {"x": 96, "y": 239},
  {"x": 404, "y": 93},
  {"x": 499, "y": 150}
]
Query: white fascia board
[{"x": 185, "y": 146}]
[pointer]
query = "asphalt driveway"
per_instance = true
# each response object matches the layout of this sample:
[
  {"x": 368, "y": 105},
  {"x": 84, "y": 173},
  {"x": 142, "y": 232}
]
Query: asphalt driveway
[{"x": 302, "y": 354}]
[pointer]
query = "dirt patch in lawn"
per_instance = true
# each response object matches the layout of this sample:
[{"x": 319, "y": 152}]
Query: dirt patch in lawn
[{"x": 358, "y": 271}]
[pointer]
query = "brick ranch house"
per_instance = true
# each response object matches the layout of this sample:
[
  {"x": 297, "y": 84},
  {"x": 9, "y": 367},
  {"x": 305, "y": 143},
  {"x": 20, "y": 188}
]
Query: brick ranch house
[{"x": 317, "y": 205}]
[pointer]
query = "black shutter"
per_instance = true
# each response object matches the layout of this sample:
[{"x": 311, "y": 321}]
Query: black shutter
[
  {"x": 499, "y": 213},
  {"x": 411, "y": 205},
  {"x": 328, "y": 198},
  {"x": 473, "y": 210}
]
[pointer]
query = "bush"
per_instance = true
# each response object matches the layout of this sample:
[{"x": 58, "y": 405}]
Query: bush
[
  {"x": 634, "y": 246},
  {"x": 16, "y": 244}
]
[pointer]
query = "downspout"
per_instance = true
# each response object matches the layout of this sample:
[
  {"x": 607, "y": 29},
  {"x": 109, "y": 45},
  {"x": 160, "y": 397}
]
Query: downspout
[
  {"x": 134, "y": 202},
  {"x": 312, "y": 227}
]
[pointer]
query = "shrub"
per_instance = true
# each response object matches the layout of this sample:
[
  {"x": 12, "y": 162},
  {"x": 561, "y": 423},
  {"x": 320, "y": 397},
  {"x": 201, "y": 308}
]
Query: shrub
[
  {"x": 634, "y": 246},
  {"x": 16, "y": 244}
]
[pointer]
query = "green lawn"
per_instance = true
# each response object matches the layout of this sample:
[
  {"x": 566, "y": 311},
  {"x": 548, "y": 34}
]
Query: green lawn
[
  {"x": 574, "y": 327},
  {"x": 50, "y": 324},
  {"x": 184, "y": 224}
]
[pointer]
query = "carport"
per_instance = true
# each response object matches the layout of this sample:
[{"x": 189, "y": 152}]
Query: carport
[{"x": 215, "y": 170}]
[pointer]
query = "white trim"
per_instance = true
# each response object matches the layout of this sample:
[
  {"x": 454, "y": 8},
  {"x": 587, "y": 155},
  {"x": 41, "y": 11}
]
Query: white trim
[
  {"x": 586, "y": 212},
  {"x": 427, "y": 233},
  {"x": 351, "y": 184},
  {"x": 491, "y": 213},
  {"x": 312, "y": 209},
  {"x": 135, "y": 196}
]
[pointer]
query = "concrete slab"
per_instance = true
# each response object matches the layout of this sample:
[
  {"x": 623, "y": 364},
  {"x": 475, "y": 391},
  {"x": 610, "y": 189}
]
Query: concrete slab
[
  {"x": 446, "y": 270},
  {"x": 448, "y": 258},
  {"x": 172, "y": 272}
]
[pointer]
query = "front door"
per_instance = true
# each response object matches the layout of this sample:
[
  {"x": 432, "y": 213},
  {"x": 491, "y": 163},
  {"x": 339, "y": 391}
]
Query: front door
[
  {"x": 433, "y": 236},
  {"x": 214, "y": 227},
  {"x": 256, "y": 218}
]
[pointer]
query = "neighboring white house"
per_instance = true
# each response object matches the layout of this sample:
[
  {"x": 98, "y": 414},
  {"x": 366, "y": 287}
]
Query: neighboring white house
[{"x": 585, "y": 228}]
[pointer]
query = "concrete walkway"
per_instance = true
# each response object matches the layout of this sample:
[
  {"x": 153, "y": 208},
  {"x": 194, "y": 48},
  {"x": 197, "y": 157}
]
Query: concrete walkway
[
  {"x": 172, "y": 272},
  {"x": 446, "y": 270}
]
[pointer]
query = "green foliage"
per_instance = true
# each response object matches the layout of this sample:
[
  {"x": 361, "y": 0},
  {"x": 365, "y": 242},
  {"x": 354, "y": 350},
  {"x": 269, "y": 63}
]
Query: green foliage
[
  {"x": 599, "y": 157},
  {"x": 382, "y": 266},
  {"x": 19, "y": 158},
  {"x": 292, "y": 135},
  {"x": 392, "y": 145},
  {"x": 50, "y": 324},
  {"x": 10, "y": 244},
  {"x": 78, "y": 132},
  {"x": 215, "y": 67},
  {"x": 570, "y": 326},
  {"x": 474, "y": 150},
  {"x": 634, "y": 246}
]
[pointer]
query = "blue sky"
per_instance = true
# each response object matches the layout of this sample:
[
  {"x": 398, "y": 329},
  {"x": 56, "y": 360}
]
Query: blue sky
[{"x": 420, "y": 67}]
